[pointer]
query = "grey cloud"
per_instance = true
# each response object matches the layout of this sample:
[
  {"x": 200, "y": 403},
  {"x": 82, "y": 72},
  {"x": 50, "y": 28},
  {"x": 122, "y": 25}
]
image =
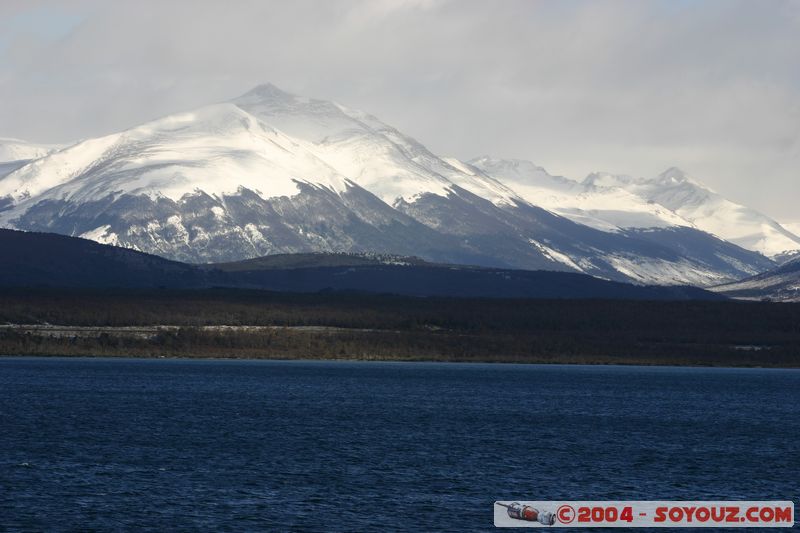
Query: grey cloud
[{"x": 623, "y": 86}]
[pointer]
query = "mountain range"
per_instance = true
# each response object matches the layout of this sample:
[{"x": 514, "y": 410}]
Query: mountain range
[
  {"x": 781, "y": 284},
  {"x": 273, "y": 173}
]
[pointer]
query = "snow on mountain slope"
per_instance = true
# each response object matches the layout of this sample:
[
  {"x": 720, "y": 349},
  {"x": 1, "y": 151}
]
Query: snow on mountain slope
[
  {"x": 17, "y": 150},
  {"x": 213, "y": 184},
  {"x": 271, "y": 172},
  {"x": 15, "y": 154},
  {"x": 7, "y": 167},
  {"x": 216, "y": 149},
  {"x": 373, "y": 154},
  {"x": 781, "y": 284},
  {"x": 612, "y": 202},
  {"x": 604, "y": 208},
  {"x": 707, "y": 210}
]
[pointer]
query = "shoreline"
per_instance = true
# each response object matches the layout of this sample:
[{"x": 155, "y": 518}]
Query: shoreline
[{"x": 632, "y": 362}]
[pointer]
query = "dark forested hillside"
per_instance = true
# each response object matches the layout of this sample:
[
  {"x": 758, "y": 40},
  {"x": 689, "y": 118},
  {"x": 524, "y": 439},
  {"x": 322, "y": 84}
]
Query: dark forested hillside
[
  {"x": 47, "y": 260},
  {"x": 50, "y": 260}
]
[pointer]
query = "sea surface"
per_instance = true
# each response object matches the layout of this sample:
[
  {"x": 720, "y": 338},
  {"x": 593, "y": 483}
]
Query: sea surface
[{"x": 199, "y": 445}]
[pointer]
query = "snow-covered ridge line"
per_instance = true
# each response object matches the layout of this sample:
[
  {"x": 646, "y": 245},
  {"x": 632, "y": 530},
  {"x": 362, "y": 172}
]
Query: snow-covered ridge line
[
  {"x": 270, "y": 172},
  {"x": 612, "y": 202},
  {"x": 216, "y": 149},
  {"x": 707, "y": 210}
]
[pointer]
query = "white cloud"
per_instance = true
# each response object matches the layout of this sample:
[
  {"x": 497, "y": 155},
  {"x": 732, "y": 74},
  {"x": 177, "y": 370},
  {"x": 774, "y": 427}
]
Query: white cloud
[{"x": 625, "y": 86}]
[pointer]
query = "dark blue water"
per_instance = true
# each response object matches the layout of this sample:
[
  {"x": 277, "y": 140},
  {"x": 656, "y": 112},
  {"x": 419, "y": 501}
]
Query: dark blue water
[{"x": 98, "y": 444}]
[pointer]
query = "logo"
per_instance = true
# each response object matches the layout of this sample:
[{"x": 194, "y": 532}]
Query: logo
[{"x": 713, "y": 514}]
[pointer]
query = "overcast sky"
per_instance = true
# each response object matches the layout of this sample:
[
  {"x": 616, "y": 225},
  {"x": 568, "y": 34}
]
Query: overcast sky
[{"x": 627, "y": 87}]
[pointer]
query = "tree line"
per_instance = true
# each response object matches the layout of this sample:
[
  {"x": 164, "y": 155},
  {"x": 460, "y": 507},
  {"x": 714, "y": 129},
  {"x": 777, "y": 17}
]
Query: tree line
[{"x": 405, "y": 328}]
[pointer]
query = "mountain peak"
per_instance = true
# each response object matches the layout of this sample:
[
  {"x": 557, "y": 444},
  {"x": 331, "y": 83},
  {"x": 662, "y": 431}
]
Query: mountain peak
[
  {"x": 606, "y": 179},
  {"x": 674, "y": 175},
  {"x": 496, "y": 164},
  {"x": 265, "y": 92}
]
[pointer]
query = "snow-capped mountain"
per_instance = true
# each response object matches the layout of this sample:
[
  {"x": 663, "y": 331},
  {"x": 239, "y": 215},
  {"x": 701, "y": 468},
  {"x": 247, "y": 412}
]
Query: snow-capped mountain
[
  {"x": 270, "y": 172},
  {"x": 217, "y": 149},
  {"x": 612, "y": 202},
  {"x": 781, "y": 284},
  {"x": 605, "y": 208},
  {"x": 707, "y": 210},
  {"x": 379, "y": 158}
]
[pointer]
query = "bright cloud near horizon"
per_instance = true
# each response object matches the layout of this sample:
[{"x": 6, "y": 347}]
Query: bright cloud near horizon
[{"x": 626, "y": 87}]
